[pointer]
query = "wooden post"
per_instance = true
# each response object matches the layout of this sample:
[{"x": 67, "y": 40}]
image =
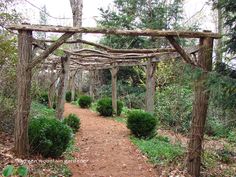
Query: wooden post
[
  {"x": 114, "y": 72},
  {"x": 72, "y": 86},
  {"x": 200, "y": 105},
  {"x": 23, "y": 93},
  {"x": 63, "y": 83},
  {"x": 52, "y": 86},
  {"x": 150, "y": 86},
  {"x": 92, "y": 83}
]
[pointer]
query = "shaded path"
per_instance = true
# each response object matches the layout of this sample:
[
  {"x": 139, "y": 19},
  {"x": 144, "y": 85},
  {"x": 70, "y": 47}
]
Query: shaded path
[{"x": 105, "y": 149}]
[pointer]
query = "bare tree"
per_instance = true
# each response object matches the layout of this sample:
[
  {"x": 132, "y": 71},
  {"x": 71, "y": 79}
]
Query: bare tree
[{"x": 77, "y": 12}]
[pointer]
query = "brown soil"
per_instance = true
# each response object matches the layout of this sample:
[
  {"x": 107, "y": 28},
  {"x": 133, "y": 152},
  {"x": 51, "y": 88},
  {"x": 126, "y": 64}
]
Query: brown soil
[{"x": 105, "y": 149}]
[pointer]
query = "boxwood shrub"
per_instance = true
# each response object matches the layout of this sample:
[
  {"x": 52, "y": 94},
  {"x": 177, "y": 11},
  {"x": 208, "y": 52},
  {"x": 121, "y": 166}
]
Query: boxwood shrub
[
  {"x": 141, "y": 124},
  {"x": 104, "y": 107},
  {"x": 73, "y": 122},
  {"x": 68, "y": 96},
  {"x": 48, "y": 137},
  {"x": 85, "y": 101},
  {"x": 43, "y": 99}
]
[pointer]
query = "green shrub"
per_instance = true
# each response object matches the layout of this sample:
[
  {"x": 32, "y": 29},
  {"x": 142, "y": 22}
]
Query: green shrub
[
  {"x": 43, "y": 99},
  {"x": 232, "y": 136},
  {"x": 73, "y": 122},
  {"x": 141, "y": 124},
  {"x": 68, "y": 96},
  {"x": 174, "y": 107},
  {"x": 54, "y": 105},
  {"x": 104, "y": 107},
  {"x": 85, "y": 101},
  {"x": 120, "y": 106},
  {"x": 48, "y": 137},
  {"x": 216, "y": 128}
]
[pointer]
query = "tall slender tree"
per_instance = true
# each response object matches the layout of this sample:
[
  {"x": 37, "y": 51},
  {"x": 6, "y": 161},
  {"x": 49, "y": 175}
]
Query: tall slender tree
[
  {"x": 227, "y": 8},
  {"x": 77, "y": 13},
  {"x": 43, "y": 20}
]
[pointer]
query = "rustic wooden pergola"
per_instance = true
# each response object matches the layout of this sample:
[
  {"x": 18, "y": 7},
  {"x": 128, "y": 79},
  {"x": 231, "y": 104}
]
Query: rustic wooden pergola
[{"x": 108, "y": 58}]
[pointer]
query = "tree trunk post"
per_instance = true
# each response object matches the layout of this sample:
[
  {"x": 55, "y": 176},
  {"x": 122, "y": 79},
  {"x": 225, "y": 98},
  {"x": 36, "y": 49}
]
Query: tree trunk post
[
  {"x": 200, "y": 106},
  {"x": 92, "y": 83},
  {"x": 150, "y": 86},
  {"x": 72, "y": 86},
  {"x": 23, "y": 93},
  {"x": 52, "y": 86},
  {"x": 114, "y": 72},
  {"x": 63, "y": 83}
]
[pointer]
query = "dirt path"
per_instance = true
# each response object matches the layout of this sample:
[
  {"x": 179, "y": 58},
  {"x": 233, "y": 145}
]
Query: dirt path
[{"x": 105, "y": 149}]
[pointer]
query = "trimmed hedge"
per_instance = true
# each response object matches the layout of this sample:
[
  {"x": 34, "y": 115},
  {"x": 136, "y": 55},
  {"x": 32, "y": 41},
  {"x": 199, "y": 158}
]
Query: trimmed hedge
[
  {"x": 142, "y": 124},
  {"x": 48, "y": 137},
  {"x": 85, "y": 101},
  {"x": 68, "y": 96},
  {"x": 104, "y": 107},
  {"x": 73, "y": 122},
  {"x": 43, "y": 99}
]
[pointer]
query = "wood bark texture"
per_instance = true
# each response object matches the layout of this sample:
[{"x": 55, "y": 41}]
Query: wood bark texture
[
  {"x": 200, "y": 105},
  {"x": 63, "y": 83},
  {"x": 77, "y": 11},
  {"x": 150, "y": 86},
  {"x": 92, "y": 84},
  {"x": 50, "y": 49},
  {"x": 147, "y": 32},
  {"x": 51, "y": 90},
  {"x": 114, "y": 72},
  {"x": 23, "y": 93}
]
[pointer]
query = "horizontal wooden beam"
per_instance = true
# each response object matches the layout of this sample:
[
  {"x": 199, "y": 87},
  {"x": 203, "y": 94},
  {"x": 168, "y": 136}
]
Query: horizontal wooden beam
[
  {"x": 147, "y": 32},
  {"x": 111, "y": 50}
]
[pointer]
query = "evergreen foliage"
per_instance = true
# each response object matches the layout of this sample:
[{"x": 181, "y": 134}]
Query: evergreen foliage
[
  {"x": 104, "y": 107},
  {"x": 85, "y": 101},
  {"x": 229, "y": 14},
  {"x": 141, "y": 124},
  {"x": 48, "y": 137},
  {"x": 73, "y": 122}
]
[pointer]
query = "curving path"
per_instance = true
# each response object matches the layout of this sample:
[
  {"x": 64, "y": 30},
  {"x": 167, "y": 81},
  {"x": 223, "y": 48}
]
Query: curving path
[{"x": 105, "y": 149}]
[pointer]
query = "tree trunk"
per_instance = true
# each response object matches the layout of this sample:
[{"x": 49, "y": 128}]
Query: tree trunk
[
  {"x": 63, "y": 83},
  {"x": 23, "y": 96},
  {"x": 51, "y": 92},
  {"x": 73, "y": 87},
  {"x": 150, "y": 86},
  {"x": 220, "y": 31},
  {"x": 114, "y": 72},
  {"x": 200, "y": 106},
  {"x": 92, "y": 83},
  {"x": 77, "y": 12}
]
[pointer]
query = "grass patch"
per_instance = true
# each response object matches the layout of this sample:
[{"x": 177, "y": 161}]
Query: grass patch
[
  {"x": 159, "y": 149},
  {"x": 74, "y": 103},
  {"x": 93, "y": 106},
  {"x": 40, "y": 110},
  {"x": 121, "y": 119}
]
